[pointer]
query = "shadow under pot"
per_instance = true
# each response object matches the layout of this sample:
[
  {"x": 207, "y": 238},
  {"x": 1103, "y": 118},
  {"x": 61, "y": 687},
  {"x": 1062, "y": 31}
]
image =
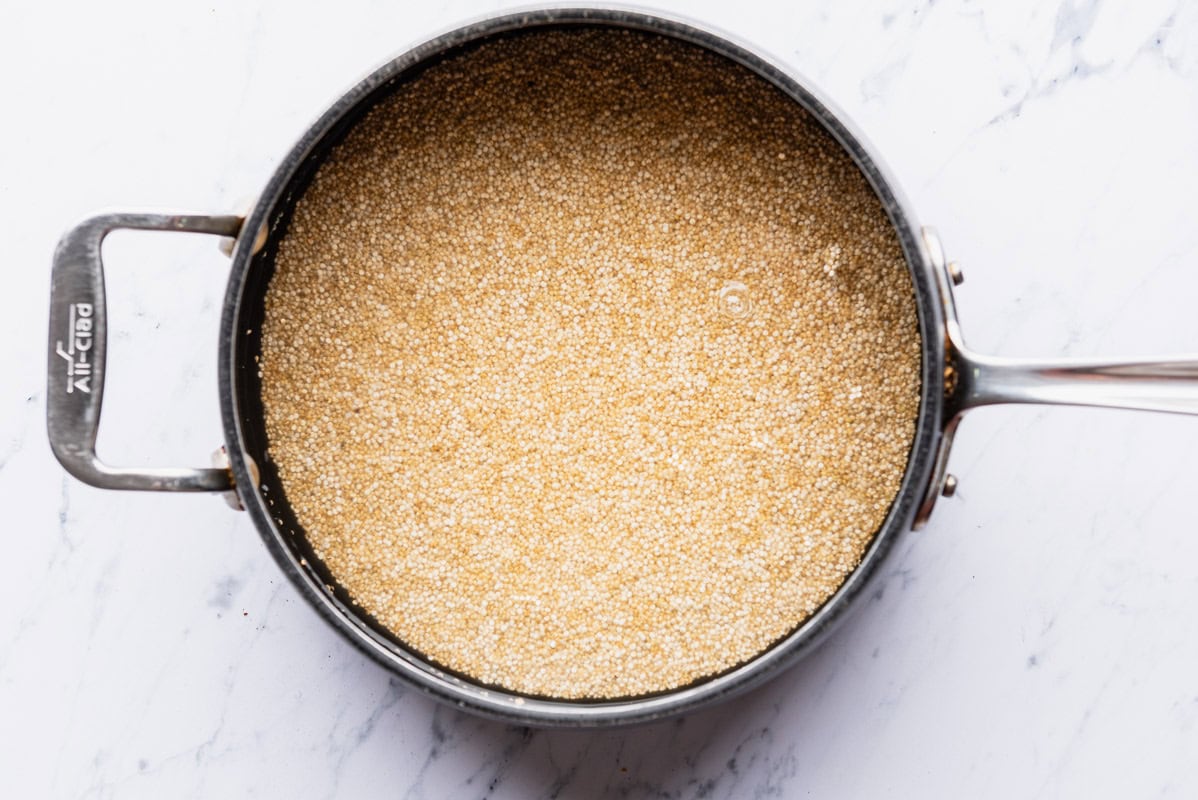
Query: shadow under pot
[{"x": 579, "y": 366}]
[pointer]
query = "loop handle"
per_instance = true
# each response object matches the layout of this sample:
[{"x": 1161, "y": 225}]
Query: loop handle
[{"x": 76, "y": 363}]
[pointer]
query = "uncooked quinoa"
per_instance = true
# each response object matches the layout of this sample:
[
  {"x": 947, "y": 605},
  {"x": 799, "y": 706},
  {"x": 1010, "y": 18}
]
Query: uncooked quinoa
[{"x": 590, "y": 364}]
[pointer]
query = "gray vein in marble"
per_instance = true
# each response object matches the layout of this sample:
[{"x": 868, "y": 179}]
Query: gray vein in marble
[
  {"x": 340, "y": 752},
  {"x": 1072, "y": 25},
  {"x": 1075, "y": 737},
  {"x": 876, "y": 83},
  {"x": 207, "y": 750},
  {"x": 99, "y": 602},
  {"x": 1157, "y": 45},
  {"x": 29, "y": 612},
  {"x": 16, "y": 438}
]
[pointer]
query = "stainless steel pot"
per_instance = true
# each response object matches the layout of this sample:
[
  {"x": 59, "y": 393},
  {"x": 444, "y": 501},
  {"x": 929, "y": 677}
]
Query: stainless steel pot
[{"x": 955, "y": 380}]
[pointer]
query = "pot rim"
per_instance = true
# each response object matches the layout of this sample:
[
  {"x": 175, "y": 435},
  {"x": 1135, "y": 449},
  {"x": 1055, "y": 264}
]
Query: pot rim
[{"x": 499, "y": 703}]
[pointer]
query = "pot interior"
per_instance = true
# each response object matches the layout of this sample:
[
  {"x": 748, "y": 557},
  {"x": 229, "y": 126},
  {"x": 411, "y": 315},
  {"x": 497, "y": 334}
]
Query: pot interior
[{"x": 284, "y": 532}]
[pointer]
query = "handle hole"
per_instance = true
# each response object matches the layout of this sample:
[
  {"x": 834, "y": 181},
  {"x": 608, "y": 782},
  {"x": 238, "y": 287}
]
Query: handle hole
[{"x": 164, "y": 295}]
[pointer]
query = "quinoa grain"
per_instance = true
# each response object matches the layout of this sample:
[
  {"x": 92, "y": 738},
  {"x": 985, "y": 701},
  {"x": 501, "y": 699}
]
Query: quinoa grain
[{"x": 590, "y": 364}]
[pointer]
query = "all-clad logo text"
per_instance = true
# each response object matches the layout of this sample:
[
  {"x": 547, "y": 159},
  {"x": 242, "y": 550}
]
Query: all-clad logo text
[{"x": 78, "y": 350}]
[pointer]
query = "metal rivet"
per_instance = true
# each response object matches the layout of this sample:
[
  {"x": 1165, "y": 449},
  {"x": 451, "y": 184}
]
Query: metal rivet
[
  {"x": 260, "y": 241},
  {"x": 954, "y": 272},
  {"x": 950, "y": 486},
  {"x": 227, "y": 243},
  {"x": 220, "y": 460}
]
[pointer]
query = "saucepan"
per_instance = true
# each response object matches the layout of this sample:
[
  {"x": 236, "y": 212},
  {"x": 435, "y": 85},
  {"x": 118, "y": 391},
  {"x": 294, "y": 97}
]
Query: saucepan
[{"x": 955, "y": 379}]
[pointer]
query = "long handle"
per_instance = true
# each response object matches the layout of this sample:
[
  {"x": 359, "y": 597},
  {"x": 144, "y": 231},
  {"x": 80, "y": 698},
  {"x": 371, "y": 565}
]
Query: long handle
[
  {"x": 973, "y": 380},
  {"x": 1155, "y": 384},
  {"x": 76, "y": 365}
]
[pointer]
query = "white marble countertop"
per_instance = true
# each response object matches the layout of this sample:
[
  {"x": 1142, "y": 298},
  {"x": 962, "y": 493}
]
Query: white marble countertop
[{"x": 1038, "y": 639}]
